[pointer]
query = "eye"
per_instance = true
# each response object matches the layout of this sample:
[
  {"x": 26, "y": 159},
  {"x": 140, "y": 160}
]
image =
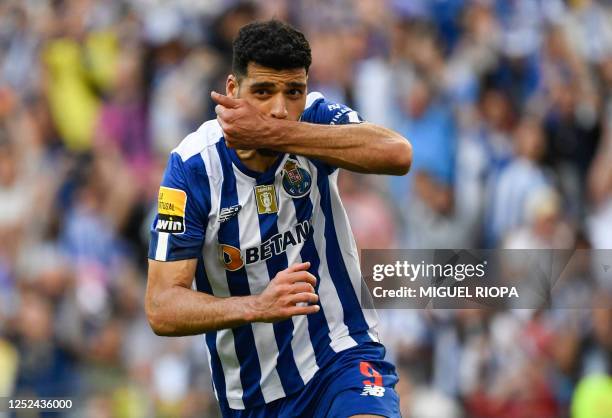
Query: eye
[
  {"x": 261, "y": 92},
  {"x": 295, "y": 93}
]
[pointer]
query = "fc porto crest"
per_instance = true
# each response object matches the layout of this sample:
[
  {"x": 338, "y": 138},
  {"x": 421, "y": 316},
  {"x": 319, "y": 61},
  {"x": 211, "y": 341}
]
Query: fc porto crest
[{"x": 296, "y": 180}]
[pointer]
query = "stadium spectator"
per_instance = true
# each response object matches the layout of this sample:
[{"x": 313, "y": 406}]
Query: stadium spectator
[{"x": 94, "y": 94}]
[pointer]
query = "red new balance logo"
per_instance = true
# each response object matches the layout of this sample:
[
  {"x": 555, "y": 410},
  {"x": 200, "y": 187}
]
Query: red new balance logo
[{"x": 371, "y": 387}]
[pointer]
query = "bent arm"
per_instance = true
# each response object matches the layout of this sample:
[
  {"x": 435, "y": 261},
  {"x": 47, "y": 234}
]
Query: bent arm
[
  {"x": 174, "y": 309},
  {"x": 363, "y": 147}
]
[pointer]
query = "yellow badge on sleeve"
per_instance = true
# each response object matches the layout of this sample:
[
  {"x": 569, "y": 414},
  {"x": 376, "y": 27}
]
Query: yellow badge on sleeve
[{"x": 171, "y": 205}]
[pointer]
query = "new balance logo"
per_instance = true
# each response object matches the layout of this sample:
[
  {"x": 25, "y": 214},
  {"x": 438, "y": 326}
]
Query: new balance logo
[
  {"x": 371, "y": 387},
  {"x": 227, "y": 213},
  {"x": 371, "y": 390}
]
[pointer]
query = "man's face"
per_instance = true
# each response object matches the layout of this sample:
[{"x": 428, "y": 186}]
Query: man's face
[{"x": 277, "y": 93}]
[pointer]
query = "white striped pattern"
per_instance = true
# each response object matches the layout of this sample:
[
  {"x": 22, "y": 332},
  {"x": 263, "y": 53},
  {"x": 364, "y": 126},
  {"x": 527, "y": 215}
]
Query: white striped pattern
[
  {"x": 161, "y": 252},
  {"x": 301, "y": 345},
  {"x": 265, "y": 341},
  {"x": 203, "y": 142},
  {"x": 216, "y": 274},
  {"x": 348, "y": 248},
  {"x": 328, "y": 297}
]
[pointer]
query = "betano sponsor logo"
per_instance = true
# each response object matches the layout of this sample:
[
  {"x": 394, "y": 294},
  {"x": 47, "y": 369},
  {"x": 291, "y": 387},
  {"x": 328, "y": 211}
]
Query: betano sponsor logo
[{"x": 234, "y": 259}]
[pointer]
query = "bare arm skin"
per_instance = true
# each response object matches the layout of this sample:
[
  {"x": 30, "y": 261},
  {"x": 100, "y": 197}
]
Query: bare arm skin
[
  {"x": 174, "y": 309},
  {"x": 364, "y": 147}
]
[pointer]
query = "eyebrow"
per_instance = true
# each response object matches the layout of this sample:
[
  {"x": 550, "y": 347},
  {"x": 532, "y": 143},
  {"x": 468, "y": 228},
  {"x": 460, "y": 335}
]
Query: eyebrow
[
  {"x": 296, "y": 84},
  {"x": 262, "y": 85},
  {"x": 268, "y": 84}
]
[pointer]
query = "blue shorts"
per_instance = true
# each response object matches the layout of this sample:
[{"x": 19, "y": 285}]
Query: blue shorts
[{"x": 357, "y": 381}]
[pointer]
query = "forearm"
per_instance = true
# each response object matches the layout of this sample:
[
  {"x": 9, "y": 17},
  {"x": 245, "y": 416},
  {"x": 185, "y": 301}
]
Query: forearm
[
  {"x": 364, "y": 147},
  {"x": 174, "y": 309},
  {"x": 178, "y": 311}
]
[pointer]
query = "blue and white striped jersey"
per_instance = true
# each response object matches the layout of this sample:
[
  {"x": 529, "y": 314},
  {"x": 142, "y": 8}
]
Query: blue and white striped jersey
[{"x": 244, "y": 227}]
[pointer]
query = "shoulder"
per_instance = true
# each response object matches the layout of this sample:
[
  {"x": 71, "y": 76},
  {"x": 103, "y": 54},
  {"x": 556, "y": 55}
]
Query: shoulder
[
  {"x": 206, "y": 136},
  {"x": 194, "y": 164},
  {"x": 313, "y": 98},
  {"x": 320, "y": 110},
  {"x": 193, "y": 151},
  {"x": 189, "y": 164}
]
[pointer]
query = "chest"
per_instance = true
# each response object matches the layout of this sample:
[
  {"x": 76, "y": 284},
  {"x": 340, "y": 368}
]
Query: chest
[{"x": 264, "y": 218}]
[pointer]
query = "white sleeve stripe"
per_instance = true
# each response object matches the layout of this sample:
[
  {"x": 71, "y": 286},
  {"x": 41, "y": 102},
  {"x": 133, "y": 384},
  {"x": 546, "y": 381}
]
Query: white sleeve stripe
[
  {"x": 311, "y": 98},
  {"x": 162, "y": 246},
  {"x": 353, "y": 117}
]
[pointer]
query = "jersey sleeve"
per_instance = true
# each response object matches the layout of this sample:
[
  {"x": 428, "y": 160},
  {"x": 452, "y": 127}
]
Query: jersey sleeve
[
  {"x": 183, "y": 203},
  {"x": 322, "y": 111}
]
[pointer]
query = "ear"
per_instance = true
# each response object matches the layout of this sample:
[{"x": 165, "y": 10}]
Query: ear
[{"x": 232, "y": 86}]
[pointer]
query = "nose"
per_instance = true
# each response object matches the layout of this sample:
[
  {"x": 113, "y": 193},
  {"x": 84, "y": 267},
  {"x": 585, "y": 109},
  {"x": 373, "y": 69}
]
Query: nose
[{"x": 279, "y": 108}]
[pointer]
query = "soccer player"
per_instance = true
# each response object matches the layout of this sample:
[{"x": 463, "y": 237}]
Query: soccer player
[{"x": 249, "y": 208}]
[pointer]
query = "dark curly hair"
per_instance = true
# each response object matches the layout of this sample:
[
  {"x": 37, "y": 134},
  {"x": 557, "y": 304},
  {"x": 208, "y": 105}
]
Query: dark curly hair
[{"x": 272, "y": 44}]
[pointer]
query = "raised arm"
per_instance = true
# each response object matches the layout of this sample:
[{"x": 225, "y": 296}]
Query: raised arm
[
  {"x": 174, "y": 309},
  {"x": 364, "y": 147},
  {"x": 361, "y": 147}
]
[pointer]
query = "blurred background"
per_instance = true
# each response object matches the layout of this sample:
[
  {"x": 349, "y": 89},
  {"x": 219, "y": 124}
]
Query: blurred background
[{"x": 509, "y": 109}]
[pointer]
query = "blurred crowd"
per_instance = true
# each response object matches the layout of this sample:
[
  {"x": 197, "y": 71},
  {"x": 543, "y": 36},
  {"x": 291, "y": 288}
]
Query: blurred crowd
[{"x": 507, "y": 104}]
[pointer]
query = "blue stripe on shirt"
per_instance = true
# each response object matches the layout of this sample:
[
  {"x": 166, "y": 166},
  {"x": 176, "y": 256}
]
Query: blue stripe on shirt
[
  {"x": 283, "y": 330},
  {"x": 353, "y": 315},
  {"x": 318, "y": 327},
  {"x": 203, "y": 285},
  {"x": 238, "y": 284}
]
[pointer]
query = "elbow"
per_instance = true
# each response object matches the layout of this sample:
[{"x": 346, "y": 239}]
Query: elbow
[
  {"x": 157, "y": 320},
  {"x": 160, "y": 328},
  {"x": 400, "y": 157},
  {"x": 158, "y": 325}
]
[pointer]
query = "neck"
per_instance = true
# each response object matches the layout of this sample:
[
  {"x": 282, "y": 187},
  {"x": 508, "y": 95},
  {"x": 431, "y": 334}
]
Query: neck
[{"x": 255, "y": 160}]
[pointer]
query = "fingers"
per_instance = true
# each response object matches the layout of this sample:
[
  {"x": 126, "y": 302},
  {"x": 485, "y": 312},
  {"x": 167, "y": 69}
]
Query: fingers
[
  {"x": 304, "y": 297},
  {"x": 224, "y": 114},
  {"x": 305, "y": 310},
  {"x": 302, "y": 276},
  {"x": 219, "y": 109},
  {"x": 298, "y": 273},
  {"x": 300, "y": 287},
  {"x": 222, "y": 118},
  {"x": 223, "y": 100},
  {"x": 298, "y": 267}
]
